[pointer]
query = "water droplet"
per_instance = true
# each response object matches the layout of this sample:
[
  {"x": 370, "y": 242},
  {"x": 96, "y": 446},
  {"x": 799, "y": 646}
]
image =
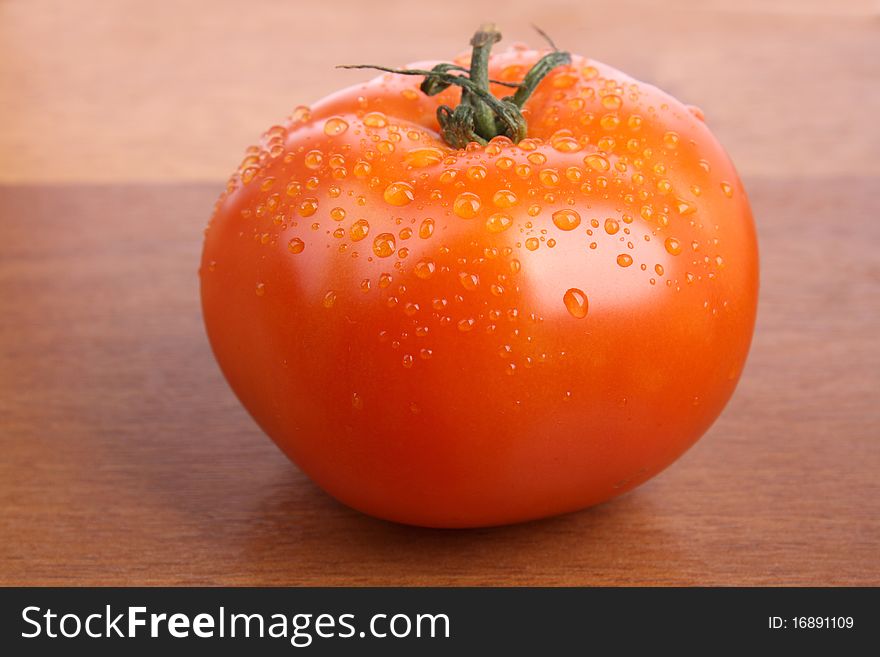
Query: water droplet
[
  {"x": 612, "y": 102},
  {"x": 399, "y": 193},
  {"x": 466, "y": 205},
  {"x": 684, "y": 207},
  {"x": 329, "y": 299},
  {"x": 426, "y": 229},
  {"x": 673, "y": 246},
  {"x": 308, "y": 207},
  {"x": 248, "y": 174},
  {"x": 423, "y": 157},
  {"x": 260, "y": 289},
  {"x": 596, "y": 162},
  {"x": 549, "y": 177},
  {"x": 362, "y": 169},
  {"x": 375, "y": 120},
  {"x": 499, "y": 222},
  {"x": 477, "y": 172},
  {"x": 384, "y": 245},
  {"x": 335, "y": 126},
  {"x": 313, "y": 159},
  {"x": 576, "y": 302},
  {"x": 296, "y": 245},
  {"x": 609, "y": 121},
  {"x": 469, "y": 282},
  {"x": 515, "y": 266},
  {"x": 537, "y": 158},
  {"x": 727, "y": 189},
  {"x": 357, "y": 402},
  {"x": 407, "y": 361},
  {"x": 465, "y": 325},
  {"x": 359, "y": 230},
  {"x": 624, "y": 260},
  {"x": 566, "y": 219},
  {"x": 424, "y": 268},
  {"x": 611, "y": 226},
  {"x": 670, "y": 140},
  {"x": 697, "y": 112},
  {"x": 504, "y": 198}
]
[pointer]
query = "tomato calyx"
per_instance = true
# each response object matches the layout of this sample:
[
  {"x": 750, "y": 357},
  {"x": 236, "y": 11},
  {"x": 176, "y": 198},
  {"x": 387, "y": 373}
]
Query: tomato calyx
[{"x": 481, "y": 116}]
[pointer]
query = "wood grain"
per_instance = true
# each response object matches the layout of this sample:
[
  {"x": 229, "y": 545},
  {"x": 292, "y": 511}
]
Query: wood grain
[{"x": 127, "y": 460}]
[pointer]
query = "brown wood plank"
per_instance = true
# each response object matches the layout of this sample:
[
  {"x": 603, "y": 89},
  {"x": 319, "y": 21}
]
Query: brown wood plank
[{"x": 125, "y": 459}]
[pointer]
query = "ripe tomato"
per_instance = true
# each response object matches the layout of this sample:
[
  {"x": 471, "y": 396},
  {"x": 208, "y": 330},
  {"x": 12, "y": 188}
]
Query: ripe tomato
[{"x": 458, "y": 337}]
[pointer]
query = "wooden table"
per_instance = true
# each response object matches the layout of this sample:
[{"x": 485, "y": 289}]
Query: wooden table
[{"x": 124, "y": 457}]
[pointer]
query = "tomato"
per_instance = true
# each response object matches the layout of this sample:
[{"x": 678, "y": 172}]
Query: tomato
[{"x": 468, "y": 336}]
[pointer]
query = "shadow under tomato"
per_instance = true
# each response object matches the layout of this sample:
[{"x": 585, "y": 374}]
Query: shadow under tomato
[{"x": 306, "y": 537}]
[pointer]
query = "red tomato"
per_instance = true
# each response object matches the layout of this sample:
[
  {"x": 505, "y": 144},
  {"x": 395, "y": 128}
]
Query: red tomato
[{"x": 465, "y": 337}]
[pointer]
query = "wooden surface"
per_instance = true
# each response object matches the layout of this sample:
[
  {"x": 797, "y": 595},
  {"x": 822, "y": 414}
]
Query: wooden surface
[{"x": 124, "y": 457}]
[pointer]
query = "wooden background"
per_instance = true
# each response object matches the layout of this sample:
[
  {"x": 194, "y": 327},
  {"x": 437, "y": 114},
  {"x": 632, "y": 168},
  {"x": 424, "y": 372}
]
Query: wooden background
[{"x": 124, "y": 457}]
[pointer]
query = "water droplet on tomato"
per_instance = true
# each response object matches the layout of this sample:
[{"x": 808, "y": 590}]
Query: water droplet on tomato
[
  {"x": 399, "y": 193},
  {"x": 359, "y": 230},
  {"x": 384, "y": 245},
  {"x": 335, "y": 126},
  {"x": 673, "y": 246},
  {"x": 596, "y": 162},
  {"x": 549, "y": 177},
  {"x": 612, "y": 102},
  {"x": 566, "y": 219},
  {"x": 477, "y": 172},
  {"x": 426, "y": 229},
  {"x": 504, "y": 198},
  {"x": 576, "y": 302},
  {"x": 466, "y": 205},
  {"x": 423, "y": 157},
  {"x": 498, "y": 222},
  {"x": 296, "y": 245},
  {"x": 624, "y": 260},
  {"x": 375, "y": 120},
  {"x": 670, "y": 140},
  {"x": 308, "y": 207},
  {"x": 424, "y": 268},
  {"x": 469, "y": 282}
]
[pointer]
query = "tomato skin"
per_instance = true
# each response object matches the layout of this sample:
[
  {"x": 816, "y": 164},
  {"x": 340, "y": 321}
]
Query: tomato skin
[{"x": 451, "y": 385}]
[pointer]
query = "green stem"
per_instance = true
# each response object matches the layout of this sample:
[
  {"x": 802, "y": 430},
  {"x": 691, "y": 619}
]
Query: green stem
[
  {"x": 482, "y": 42},
  {"x": 481, "y": 116}
]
